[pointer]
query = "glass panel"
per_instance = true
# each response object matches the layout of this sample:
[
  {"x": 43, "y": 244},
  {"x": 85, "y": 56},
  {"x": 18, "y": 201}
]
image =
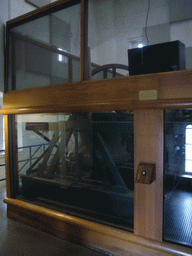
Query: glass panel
[
  {"x": 116, "y": 26},
  {"x": 41, "y": 49},
  {"x": 188, "y": 152},
  {"x": 63, "y": 158},
  {"x": 189, "y": 134},
  {"x": 76, "y": 70},
  {"x": 107, "y": 44},
  {"x": 39, "y": 3},
  {"x": 178, "y": 178},
  {"x": 188, "y": 166},
  {"x": 59, "y": 69},
  {"x": 109, "y": 74},
  {"x": 97, "y": 75},
  {"x": 122, "y": 72}
]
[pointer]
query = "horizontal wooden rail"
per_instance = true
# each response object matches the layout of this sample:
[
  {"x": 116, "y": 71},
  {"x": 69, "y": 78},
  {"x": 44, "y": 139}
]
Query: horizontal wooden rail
[
  {"x": 110, "y": 106},
  {"x": 42, "y": 11},
  {"x": 174, "y": 90},
  {"x": 88, "y": 232}
]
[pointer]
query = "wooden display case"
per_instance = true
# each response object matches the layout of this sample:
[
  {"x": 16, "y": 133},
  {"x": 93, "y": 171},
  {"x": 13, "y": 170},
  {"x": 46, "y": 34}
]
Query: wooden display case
[
  {"x": 173, "y": 90},
  {"x": 120, "y": 94}
]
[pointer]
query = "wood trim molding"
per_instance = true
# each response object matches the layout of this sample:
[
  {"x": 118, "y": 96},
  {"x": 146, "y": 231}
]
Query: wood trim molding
[
  {"x": 110, "y": 106},
  {"x": 40, "y": 12},
  {"x": 87, "y": 232},
  {"x": 174, "y": 90},
  {"x": 84, "y": 59},
  {"x": 11, "y": 156},
  {"x": 8, "y": 181}
]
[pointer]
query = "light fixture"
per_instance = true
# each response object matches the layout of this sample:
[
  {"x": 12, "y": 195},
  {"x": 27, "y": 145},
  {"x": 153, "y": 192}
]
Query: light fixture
[
  {"x": 136, "y": 42},
  {"x": 60, "y": 57},
  {"x": 140, "y": 45}
]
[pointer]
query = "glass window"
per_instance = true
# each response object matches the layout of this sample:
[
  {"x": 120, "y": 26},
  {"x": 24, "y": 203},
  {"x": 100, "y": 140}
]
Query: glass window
[
  {"x": 41, "y": 50},
  {"x": 107, "y": 42},
  {"x": 188, "y": 149},
  {"x": 76, "y": 70},
  {"x": 39, "y": 3},
  {"x": 80, "y": 162},
  {"x": 178, "y": 178}
]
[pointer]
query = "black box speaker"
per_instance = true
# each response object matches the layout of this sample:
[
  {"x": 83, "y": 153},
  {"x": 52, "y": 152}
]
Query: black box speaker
[{"x": 157, "y": 58}]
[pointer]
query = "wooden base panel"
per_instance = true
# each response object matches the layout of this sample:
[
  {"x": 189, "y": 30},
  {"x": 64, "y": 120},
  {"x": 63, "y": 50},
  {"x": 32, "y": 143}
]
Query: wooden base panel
[{"x": 88, "y": 233}]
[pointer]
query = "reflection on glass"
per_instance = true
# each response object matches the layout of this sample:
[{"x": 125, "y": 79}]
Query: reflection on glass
[
  {"x": 76, "y": 70},
  {"x": 177, "y": 182},
  {"x": 188, "y": 165},
  {"x": 188, "y": 149},
  {"x": 40, "y": 3},
  {"x": 116, "y": 26},
  {"x": 80, "y": 162},
  {"x": 41, "y": 49},
  {"x": 108, "y": 34},
  {"x": 188, "y": 134}
]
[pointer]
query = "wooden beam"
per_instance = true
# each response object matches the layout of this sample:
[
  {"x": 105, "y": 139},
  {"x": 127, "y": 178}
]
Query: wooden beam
[
  {"x": 148, "y": 198},
  {"x": 11, "y": 157},
  {"x": 7, "y": 167},
  {"x": 174, "y": 90},
  {"x": 42, "y": 11},
  {"x": 84, "y": 55},
  {"x": 7, "y": 61},
  {"x": 108, "y": 106}
]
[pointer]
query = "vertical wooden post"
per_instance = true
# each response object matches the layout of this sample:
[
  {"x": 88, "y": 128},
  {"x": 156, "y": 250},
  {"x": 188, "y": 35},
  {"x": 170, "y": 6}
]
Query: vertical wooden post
[
  {"x": 11, "y": 156},
  {"x": 62, "y": 149},
  {"x": 84, "y": 55},
  {"x": 70, "y": 72},
  {"x": 7, "y": 167},
  {"x": 13, "y": 63},
  {"x": 6, "y": 61},
  {"x": 148, "y": 198}
]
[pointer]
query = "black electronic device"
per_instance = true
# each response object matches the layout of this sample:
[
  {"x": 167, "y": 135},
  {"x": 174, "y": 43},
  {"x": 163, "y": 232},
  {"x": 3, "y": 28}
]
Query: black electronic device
[{"x": 157, "y": 58}]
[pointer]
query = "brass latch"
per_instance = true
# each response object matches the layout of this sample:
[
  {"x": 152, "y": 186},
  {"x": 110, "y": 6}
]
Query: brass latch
[{"x": 146, "y": 173}]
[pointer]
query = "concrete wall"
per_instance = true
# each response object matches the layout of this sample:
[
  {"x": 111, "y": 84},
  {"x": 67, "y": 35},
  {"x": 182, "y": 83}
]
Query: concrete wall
[
  {"x": 117, "y": 23},
  {"x": 116, "y": 26},
  {"x": 19, "y": 7},
  {"x": 4, "y": 15}
]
